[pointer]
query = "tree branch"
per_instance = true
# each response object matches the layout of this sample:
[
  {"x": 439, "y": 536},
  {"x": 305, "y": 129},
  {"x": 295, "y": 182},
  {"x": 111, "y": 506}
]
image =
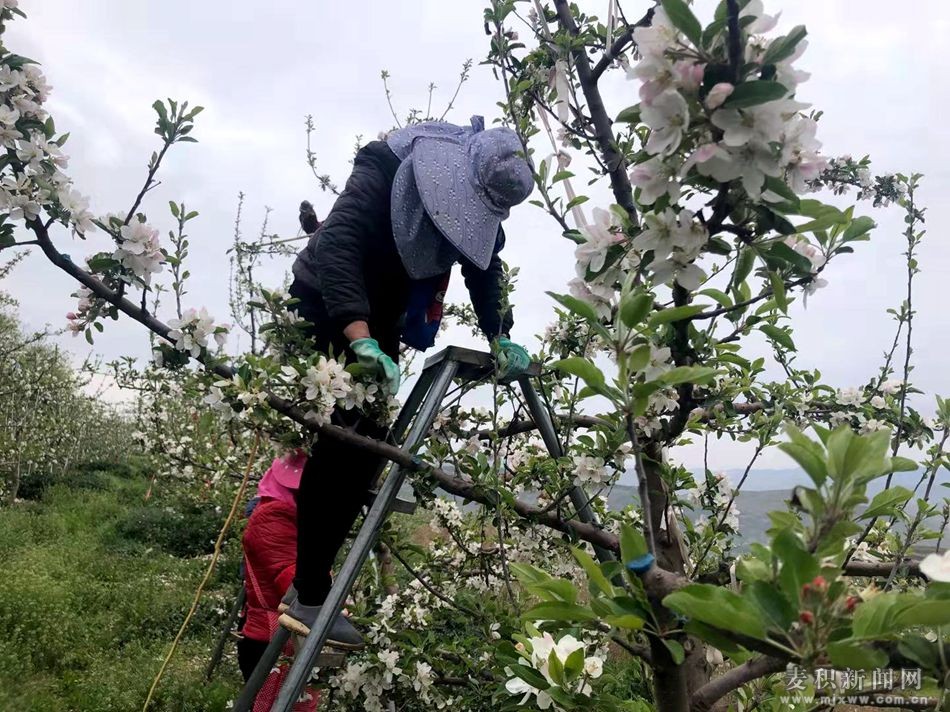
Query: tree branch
[
  {"x": 603, "y": 124},
  {"x": 620, "y": 44},
  {"x": 706, "y": 696}
]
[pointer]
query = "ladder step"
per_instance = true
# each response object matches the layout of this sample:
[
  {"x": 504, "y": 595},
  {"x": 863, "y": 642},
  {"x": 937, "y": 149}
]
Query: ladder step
[
  {"x": 400, "y": 506},
  {"x": 328, "y": 659}
]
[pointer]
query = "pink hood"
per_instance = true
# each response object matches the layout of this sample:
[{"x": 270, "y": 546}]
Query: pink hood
[{"x": 282, "y": 479}]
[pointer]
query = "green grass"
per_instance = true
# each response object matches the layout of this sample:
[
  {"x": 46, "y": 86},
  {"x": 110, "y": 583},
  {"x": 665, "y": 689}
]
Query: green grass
[{"x": 93, "y": 587}]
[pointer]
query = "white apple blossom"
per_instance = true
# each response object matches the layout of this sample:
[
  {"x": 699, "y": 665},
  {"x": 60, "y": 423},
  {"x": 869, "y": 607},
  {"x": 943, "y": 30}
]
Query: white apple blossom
[
  {"x": 936, "y": 567},
  {"x": 668, "y": 117},
  {"x": 718, "y": 94},
  {"x": 597, "y": 295},
  {"x": 891, "y": 387},
  {"x": 78, "y": 208},
  {"x": 590, "y": 470},
  {"x": 655, "y": 178},
  {"x": 190, "y": 332},
  {"x": 8, "y": 115},
  {"x": 762, "y": 23},
  {"x": 878, "y": 402},
  {"x": 599, "y": 237},
  {"x": 659, "y": 36},
  {"x": 542, "y": 647},
  {"x": 873, "y": 425},
  {"x": 803, "y": 247},
  {"x": 139, "y": 250},
  {"x": 850, "y": 396},
  {"x": 800, "y": 153}
]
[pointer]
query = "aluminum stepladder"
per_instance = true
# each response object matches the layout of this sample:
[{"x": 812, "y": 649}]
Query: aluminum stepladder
[{"x": 416, "y": 417}]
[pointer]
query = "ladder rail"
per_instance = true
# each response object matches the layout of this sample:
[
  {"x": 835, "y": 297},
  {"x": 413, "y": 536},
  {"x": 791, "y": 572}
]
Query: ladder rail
[{"x": 302, "y": 667}]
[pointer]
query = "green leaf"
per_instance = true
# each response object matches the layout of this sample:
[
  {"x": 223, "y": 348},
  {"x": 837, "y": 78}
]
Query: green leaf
[
  {"x": 577, "y": 201},
  {"x": 859, "y": 227},
  {"x": 575, "y": 306},
  {"x": 173, "y": 206},
  {"x": 687, "y": 374},
  {"x": 593, "y": 571},
  {"x": 634, "y": 308},
  {"x": 718, "y": 607},
  {"x": 721, "y": 297},
  {"x": 530, "y": 675},
  {"x": 755, "y": 93},
  {"x": 886, "y": 501},
  {"x": 778, "y": 335},
  {"x": 676, "y": 651},
  {"x": 574, "y": 665},
  {"x": 875, "y": 618},
  {"x": 559, "y": 611},
  {"x": 744, "y": 265},
  {"x": 784, "y": 47},
  {"x": 581, "y": 367},
  {"x": 778, "y": 186},
  {"x": 807, "y": 454},
  {"x": 925, "y": 613},
  {"x": 630, "y": 115},
  {"x": 665, "y": 316},
  {"x": 684, "y": 20},
  {"x": 777, "y": 611},
  {"x": 798, "y": 565},
  {"x": 854, "y": 656},
  {"x": 627, "y": 621},
  {"x": 632, "y": 543},
  {"x": 639, "y": 357},
  {"x": 778, "y": 291},
  {"x": 556, "y": 669},
  {"x": 902, "y": 464},
  {"x": 857, "y": 458}
]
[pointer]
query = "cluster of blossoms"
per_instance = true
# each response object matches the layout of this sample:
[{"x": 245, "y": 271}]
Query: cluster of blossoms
[
  {"x": 590, "y": 470},
  {"x": 39, "y": 180},
  {"x": 714, "y": 498},
  {"x": 139, "y": 250},
  {"x": 859, "y": 398},
  {"x": 695, "y": 132},
  {"x": 86, "y": 310},
  {"x": 190, "y": 332},
  {"x": 538, "y": 653}
]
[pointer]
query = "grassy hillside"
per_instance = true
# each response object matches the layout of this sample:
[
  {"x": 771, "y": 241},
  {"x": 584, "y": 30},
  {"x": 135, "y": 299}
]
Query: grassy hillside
[{"x": 94, "y": 582}]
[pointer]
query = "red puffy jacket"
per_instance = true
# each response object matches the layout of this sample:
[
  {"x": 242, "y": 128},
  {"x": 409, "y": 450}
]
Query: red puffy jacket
[{"x": 270, "y": 554}]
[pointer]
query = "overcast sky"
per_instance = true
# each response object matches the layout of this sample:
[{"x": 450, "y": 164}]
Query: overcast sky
[{"x": 879, "y": 73}]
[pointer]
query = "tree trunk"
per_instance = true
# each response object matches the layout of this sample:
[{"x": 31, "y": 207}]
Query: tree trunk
[{"x": 673, "y": 683}]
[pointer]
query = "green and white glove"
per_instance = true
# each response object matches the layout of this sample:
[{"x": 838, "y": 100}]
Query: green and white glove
[
  {"x": 373, "y": 359},
  {"x": 512, "y": 360}
]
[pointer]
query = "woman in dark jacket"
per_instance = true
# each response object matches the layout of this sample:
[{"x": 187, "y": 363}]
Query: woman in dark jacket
[{"x": 429, "y": 196}]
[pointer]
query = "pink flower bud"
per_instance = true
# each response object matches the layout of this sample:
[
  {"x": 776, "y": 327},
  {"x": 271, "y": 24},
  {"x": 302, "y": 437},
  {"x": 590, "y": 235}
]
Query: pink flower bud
[
  {"x": 688, "y": 75},
  {"x": 71, "y": 315},
  {"x": 718, "y": 94}
]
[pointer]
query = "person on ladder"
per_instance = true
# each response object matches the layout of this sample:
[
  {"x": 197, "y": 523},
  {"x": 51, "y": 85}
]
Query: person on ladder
[{"x": 373, "y": 275}]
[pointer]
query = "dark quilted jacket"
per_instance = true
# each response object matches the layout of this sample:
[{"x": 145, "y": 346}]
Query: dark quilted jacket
[{"x": 350, "y": 269}]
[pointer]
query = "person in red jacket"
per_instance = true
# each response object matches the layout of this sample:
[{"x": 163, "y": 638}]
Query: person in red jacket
[{"x": 270, "y": 551}]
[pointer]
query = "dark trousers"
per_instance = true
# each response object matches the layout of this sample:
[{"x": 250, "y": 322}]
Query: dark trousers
[
  {"x": 336, "y": 477},
  {"x": 333, "y": 489},
  {"x": 249, "y": 652}
]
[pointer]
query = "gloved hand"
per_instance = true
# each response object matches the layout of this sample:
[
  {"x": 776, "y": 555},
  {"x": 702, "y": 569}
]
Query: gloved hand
[
  {"x": 512, "y": 360},
  {"x": 372, "y": 358}
]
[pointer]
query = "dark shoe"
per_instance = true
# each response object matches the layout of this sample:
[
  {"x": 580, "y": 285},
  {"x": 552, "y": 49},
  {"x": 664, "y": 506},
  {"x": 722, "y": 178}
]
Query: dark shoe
[
  {"x": 299, "y": 619},
  {"x": 288, "y": 599}
]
